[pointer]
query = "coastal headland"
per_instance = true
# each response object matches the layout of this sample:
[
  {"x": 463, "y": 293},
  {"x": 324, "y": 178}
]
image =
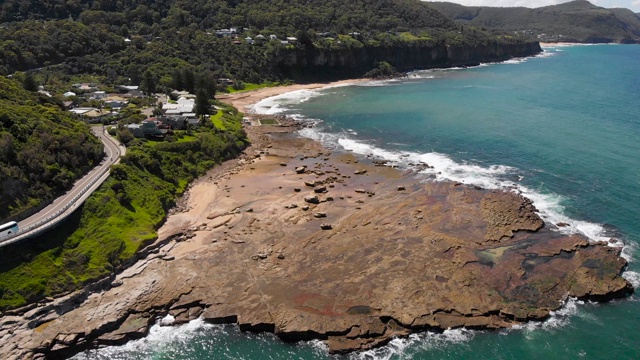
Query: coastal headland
[{"x": 309, "y": 243}]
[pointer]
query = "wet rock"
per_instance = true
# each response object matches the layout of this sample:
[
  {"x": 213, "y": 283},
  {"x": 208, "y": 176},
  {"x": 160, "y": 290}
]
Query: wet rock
[
  {"x": 320, "y": 215},
  {"x": 360, "y": 172}
]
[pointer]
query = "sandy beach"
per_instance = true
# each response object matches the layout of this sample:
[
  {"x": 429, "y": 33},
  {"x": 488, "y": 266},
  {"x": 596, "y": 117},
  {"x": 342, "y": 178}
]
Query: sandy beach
[{"x": 244, "y": 100}]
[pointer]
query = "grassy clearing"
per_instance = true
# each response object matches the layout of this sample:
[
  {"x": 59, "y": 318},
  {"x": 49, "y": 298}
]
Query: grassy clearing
[
  {"x": 117, "y": 220},
  {"x": 217, "y": 120},
  {"x": 252, "y": 86}
]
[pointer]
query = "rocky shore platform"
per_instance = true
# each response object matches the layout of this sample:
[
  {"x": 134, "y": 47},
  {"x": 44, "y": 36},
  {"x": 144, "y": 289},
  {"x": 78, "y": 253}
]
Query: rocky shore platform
[{"x": 308, "y": 244}]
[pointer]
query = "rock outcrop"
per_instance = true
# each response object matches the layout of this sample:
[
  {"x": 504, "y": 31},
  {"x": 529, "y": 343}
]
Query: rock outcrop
[{"x": 433, "y": 256}]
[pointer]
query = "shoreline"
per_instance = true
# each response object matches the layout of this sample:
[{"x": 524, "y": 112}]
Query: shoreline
[
  {"x": 239, "y": 223},
  {"x": 243, "y": 101}
]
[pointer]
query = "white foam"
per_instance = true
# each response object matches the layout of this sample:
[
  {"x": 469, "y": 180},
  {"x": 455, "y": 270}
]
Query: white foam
[
  {"x": 167, "y": 320},
  {"x": 633, "y": 277},
  {"x": 278, "y": 104},
  {"x": 158, "y": 337},
  {"x": 557, "y": 319},
  {"x": 549, "y": 206},
  {"x": 397, "y": 348}
]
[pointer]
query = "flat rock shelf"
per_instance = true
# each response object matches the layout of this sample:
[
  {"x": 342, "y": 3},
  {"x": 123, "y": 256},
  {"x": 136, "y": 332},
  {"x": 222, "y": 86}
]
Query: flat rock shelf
[{"x": 402, "y": 256}]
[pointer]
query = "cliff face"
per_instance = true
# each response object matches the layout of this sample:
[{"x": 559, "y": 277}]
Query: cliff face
[{"x": 356, "y": 62}]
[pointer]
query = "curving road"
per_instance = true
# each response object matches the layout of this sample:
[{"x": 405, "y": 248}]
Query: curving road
[{"x": 66, "y": 204}]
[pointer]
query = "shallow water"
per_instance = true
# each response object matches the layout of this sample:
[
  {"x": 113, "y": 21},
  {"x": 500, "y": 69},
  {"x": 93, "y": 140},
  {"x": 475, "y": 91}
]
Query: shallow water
[{"x": 562, "y": 128}]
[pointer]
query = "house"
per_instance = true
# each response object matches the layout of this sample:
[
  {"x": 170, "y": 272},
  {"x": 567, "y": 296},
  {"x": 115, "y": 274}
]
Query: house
[
  {"x": 136, "y": 130},
  {"x": 273, "y": 37},
  {"x": 225, "y": 81},
  {"x": 114, "y": 104},
  {"x": 85, "y": 86},
  {"x": 69, "y": 94},
  {"x": 259, "y": 39},
  {"x": 130, "y": 90},
  {"x": 97, "y": 95},
  {"x": 183, "y": 94},
  {"x": 174, "y": 122},
  {"x": 292, "y": 39},
  {"x": 82, "y": 110},
  {"x": 182, "y": 106},
  {"x": 249, "y": 40},
  {"x": 148, "y": 128},
  {"x": 67, "y": 104}
]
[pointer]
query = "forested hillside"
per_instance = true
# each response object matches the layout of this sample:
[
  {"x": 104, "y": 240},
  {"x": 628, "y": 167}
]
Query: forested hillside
[
  {"x": 575, "y": 21},
  {"x": 122, "y": 39},
  {"x": 42, "y": 149}
]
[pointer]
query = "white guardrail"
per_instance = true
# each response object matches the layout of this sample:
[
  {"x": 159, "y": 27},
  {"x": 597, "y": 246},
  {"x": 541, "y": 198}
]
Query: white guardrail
[{"x": 57, "y": 217}]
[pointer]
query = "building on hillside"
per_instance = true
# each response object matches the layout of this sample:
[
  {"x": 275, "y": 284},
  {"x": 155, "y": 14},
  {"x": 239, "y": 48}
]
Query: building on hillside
[
  {"x": 225, "y": 82},
  {"x": 114, "y": 104},
  {"x": 130, "y": 90},
  {"x": 97, "y": 95},
  {"x": 69, "y": 94},
  {"x": 292, "y": 39},
  {"x": 182, "y": 106},
  {"x": 148, "y": 128},
  {"x": 180, "y": 122},
  {"x": 85, "y": 86},
  {"x": 82, "y": 110}
]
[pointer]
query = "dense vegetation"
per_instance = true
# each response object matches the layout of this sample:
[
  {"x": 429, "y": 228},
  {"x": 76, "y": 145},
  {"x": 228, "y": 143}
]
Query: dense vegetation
[
  {"x": 87, "y": 37},
  {"x": 42, "y": 149},
  {"x": 575, "y": 21},
  {"x": 119, "y": 218}
]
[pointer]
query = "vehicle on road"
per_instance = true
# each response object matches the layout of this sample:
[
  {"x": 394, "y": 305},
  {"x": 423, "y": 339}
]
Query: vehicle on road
[{"x": 8, "y": 229}]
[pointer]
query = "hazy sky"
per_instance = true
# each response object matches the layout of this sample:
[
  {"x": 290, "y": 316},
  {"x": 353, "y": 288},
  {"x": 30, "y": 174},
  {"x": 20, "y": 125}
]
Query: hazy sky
[{"x": 631, "y": 4}]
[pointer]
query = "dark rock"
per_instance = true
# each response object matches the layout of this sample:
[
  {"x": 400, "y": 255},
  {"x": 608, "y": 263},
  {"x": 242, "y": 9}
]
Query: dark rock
[{"x": 312, "y": 200}]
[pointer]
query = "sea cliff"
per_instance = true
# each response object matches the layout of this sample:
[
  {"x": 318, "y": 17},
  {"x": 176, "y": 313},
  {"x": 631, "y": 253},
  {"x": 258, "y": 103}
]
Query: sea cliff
[{"x": 355, "y": 62}]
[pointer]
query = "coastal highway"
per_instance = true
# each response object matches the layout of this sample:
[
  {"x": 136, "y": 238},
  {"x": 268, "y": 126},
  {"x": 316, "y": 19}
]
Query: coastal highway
[{"x": 66, "y": 204}]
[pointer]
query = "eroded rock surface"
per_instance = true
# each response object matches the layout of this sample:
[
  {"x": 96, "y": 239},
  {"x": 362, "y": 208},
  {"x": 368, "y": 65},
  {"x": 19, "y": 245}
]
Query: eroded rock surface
[{"x": 435, "y": 255}]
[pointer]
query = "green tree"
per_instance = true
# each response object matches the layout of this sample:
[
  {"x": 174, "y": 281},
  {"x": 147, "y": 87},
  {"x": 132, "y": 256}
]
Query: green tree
[
  {"x": 202, "y": 106},
  {"x": 149, "y": 83},
  {"x": 29, "y": 82}
]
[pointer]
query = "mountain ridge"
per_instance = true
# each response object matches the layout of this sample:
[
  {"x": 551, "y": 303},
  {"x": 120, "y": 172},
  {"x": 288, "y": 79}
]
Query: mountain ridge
[{"x": 575, "y": 21}]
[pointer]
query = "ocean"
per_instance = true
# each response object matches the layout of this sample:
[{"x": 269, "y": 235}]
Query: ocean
[{"x": 563, "y": 128}]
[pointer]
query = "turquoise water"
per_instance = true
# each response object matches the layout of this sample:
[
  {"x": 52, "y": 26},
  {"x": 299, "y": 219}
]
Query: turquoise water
[{"x": 563, "y": 128}]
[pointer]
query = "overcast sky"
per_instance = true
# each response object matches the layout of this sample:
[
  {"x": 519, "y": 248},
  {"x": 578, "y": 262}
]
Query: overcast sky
[{"x": 631, "y": 4}]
